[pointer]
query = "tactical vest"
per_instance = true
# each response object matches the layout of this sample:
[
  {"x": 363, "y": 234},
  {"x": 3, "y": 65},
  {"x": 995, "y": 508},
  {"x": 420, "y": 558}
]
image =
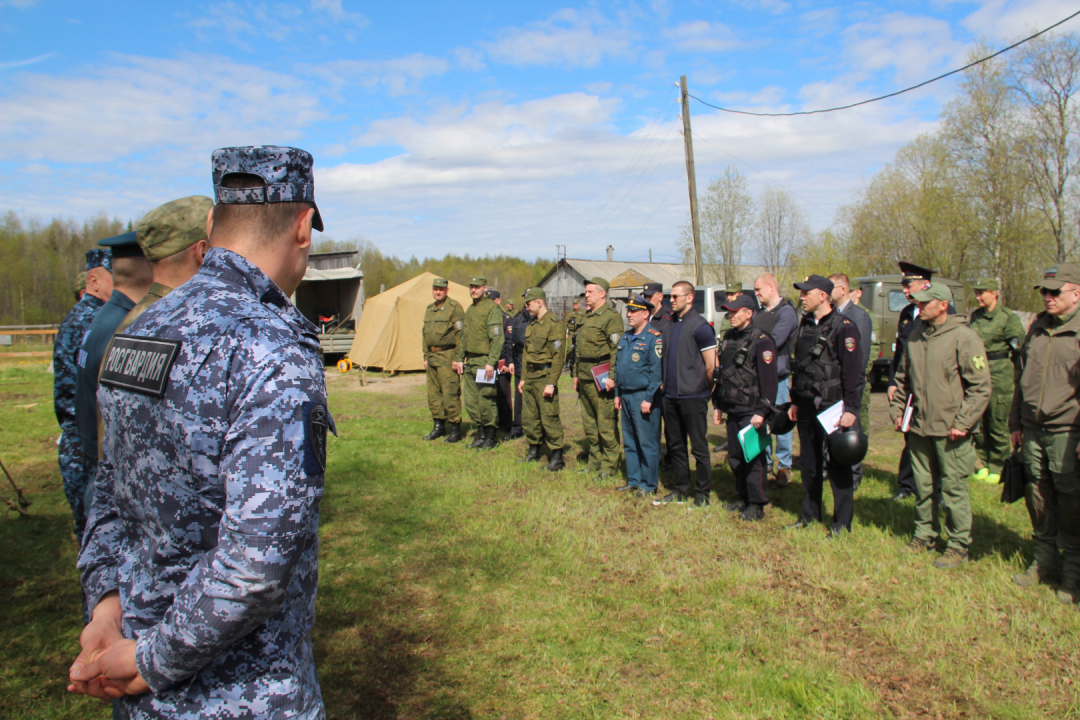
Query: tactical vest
[
  {"x": 738, "y": 373},
  {"x": 817, "y": 366}
]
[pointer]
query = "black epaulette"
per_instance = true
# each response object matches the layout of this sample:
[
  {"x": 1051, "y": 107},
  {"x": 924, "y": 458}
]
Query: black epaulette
[{"x": 654, "y": 331}]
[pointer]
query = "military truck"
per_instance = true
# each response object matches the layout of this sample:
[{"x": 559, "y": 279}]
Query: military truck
[
  {"x": 883, "y": 297},
  {"x": 331, "y": 296}
]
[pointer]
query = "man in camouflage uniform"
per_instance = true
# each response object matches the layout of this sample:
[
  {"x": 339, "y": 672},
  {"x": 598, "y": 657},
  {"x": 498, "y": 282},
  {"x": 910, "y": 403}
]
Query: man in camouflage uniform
[
  {"x": 573, "y": 322},
  {"x": 479, "y": 350},
  {"x": 201, "y": 556},
  {"x": 1045, "y": 423},
  {"x": 597, "y": 341},
  {"x": 75, "y": 467},
  {"x": 545, "y": 351},
  {"x": 944, "y": 371},
  {"x": 1002, "y": 332},
  {"x": 443, "y": 321}
]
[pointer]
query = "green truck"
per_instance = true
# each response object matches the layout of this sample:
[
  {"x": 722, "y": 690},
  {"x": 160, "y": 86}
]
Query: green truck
[{"x": 884, "y": 298}]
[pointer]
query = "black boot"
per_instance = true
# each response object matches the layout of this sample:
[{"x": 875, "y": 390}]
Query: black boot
[
  {"x": 438, "y": 431},
  {"x": 490, "y": 441},
  {"x": 533, "y": 455},
  {"x": 555, "y": 464},
  {"x": 478, "y": 440},
  {"x": 455, "y": 433}
]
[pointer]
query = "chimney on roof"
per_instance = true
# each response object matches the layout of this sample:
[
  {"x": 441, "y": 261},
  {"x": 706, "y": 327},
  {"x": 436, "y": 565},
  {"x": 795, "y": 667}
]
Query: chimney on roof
[{"x": 610, "y": 253}]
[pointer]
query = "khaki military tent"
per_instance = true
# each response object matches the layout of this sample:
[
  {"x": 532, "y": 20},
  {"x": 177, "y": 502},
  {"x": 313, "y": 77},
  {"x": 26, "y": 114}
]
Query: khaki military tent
[{"x": 389, "y": 334}]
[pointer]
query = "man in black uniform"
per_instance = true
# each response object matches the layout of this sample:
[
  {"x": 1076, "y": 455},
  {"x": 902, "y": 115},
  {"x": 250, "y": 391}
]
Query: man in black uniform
[
  {"x": 748, "y": 382},
  {"x": 502, "y": 378},
  {"x": 516, "y": 327},
  {"x": 827, "y": 370},
  {"x": 915, "y": 279}
]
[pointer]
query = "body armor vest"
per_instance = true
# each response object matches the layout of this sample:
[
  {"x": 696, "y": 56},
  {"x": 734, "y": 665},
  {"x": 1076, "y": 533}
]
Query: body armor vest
[
  {"x": 738, "y": 372},
  {"x": 817, "y": 367}
]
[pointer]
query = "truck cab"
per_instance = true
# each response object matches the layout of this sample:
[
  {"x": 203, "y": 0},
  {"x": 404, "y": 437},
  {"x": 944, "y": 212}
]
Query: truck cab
[{"x": 883, "y": 297}]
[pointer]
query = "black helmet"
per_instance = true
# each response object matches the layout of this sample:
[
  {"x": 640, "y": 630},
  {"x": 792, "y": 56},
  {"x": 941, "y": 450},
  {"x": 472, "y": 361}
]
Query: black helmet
[
  {"x": 847, "y": 446},
  {"x": 780, "y": 423}
]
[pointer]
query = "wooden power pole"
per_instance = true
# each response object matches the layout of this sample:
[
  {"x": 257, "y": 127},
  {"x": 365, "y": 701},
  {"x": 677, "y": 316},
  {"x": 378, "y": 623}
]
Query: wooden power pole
[{"x": 691, "y": 178}]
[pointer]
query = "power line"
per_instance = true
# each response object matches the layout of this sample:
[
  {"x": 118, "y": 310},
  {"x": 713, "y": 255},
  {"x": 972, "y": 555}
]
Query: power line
[{"x": 892, "y": 94}]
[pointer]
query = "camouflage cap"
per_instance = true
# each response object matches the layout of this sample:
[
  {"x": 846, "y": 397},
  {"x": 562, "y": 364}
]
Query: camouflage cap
[
  {"x": 1056, "y": 277},
  {"x": 98, "y": 258},
  {"x": 478, "y": 281},
  {"x": 600, "y": 282},
  {"x": 733, "y": 287},
  {"x": 286, "y": 171},
  {"x": 935, "y": 291},
  {"x": 535, "y": 293},
  {"x": 986, "y": 284},
  {"x": 174, "y": 226},
  {"x": 440, "y": 283},
  {"x": 80, "y": 282}
]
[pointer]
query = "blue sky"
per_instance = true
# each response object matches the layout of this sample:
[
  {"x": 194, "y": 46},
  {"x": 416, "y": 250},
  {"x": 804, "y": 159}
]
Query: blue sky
[{"x": 476, "y": 127}]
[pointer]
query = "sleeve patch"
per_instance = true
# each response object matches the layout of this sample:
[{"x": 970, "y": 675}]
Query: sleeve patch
[
  {"x": 979, "y": 363},
  {"x": 659, "y": 348},
  {"x": 316, "y": 423},
  {"x": 496, "y": 330},
  {"x": 139, "y": 364},
  {"x": 849, "y": 343},
  {"x": 558, "y": 344},
  {"x": 767, "y": 356},
  {"x": 614, "y": 338}
]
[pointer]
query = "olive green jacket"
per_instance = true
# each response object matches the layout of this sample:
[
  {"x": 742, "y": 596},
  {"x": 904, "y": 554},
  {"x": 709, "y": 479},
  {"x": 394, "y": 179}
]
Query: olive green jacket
[
  {"x": 545, "y": 342},
  {"x": 1047, "y": 376},
  {"x": 482, "y": 333},
  {"x": 944, "y": 367},
  {"x": 1001, "y": 332},
  {"x": 597, "y": 337},
  {"x": 442, "y": 326}
]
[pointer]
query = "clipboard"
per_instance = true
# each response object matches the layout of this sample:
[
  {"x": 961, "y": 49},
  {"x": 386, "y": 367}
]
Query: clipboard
[
  {"x": 600, "y": 374},
  {"x": 751, "y": 442}
]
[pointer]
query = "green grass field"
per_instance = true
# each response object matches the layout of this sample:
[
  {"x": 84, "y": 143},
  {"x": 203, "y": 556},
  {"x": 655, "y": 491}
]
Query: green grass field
[{"x": 458, "y": 584}]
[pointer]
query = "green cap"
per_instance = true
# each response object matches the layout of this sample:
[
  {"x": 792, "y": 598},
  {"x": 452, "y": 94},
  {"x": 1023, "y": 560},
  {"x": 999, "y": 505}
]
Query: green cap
[
  {"x": 1056, "y": 277},
  {"x": 733, "y": 288},
  {"x": 986, "y": 284},
  {"x": 599, "y": 281},
  {"x": 173, "y": 227},
  {"x": 936, "y": 291},
  {"x": 80, "y": 282},
  {"x": 440, "y": 282},
  {"x": 535, "y": 293},
  {"x": 478, "y": 281}
]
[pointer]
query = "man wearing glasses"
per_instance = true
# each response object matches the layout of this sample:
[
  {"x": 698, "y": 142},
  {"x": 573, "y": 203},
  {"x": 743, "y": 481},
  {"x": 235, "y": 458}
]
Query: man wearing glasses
[{"x": 1045, "y": 422}]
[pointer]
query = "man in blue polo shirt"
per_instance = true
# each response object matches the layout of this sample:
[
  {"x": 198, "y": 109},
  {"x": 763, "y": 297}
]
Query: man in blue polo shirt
[{"x": 689, "y": 361}]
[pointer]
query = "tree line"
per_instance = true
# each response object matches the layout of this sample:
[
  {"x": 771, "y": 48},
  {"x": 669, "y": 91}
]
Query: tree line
[{"x": 994, "y": 191}]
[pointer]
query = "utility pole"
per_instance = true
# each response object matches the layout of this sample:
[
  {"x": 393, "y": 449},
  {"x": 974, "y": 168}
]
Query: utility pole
[{"x": 691, "y": 178}]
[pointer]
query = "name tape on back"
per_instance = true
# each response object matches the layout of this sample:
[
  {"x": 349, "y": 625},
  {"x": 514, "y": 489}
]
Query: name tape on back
[{"x": 139, "y": 364}]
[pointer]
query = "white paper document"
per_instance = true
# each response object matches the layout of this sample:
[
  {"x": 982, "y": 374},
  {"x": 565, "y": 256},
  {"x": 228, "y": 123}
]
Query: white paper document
[
  {"x": 480, "y": 377},
  {"x": 830, "y": 418}
]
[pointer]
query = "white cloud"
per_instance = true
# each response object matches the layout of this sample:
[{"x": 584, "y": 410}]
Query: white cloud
[
  {"x": 568, "y": 38},
  {"x": 399, "y": 76},
  {"x": 914, "y": 47},
  {"x": 1010, "y": 20},
  {"x": 775, "y": 7},
  {"x": 23, "y": 63},
  {"x": 468, "y": 58},
  {"x": 20, "y": 4},
  {"x": 337, "y": 13},
  {"x": 702, "y": 36},
  {"x": 241, "y": 23}
]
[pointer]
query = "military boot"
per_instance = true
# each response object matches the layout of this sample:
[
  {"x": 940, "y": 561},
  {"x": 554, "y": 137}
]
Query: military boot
[
  {"x": 454, "y": 435},
  {"x": 478, "y": 439},
  {"x": 533, "y": 455},
  {"x": 1068, "y": 593},
  {"x": 555, "y": 464},
  {"x": 438, "y": 431},
  {"x": 1035, "y": 574},
  {"x": 490, "y": 441}
]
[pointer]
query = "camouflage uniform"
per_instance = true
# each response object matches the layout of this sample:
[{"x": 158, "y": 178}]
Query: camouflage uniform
[
  {"x": 75, "y": 468},
  {"x": 206, "y": 505},
  {"x": 442, "y": 334},
  {"x": 597, "y": 343},
  {"x": 545, "y": 351},
  {"x": 1001, "y": 332},
  {"x": 480, "y": 346}
]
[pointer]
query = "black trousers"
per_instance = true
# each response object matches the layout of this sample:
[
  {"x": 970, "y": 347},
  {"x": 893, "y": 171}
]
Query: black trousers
[
  {"x": 517, "y": 402},
  {"x": 502, "y": 401},
  {"x": 750, "y": 476},
  {"x": 688, "y": 418},
  {"x": 813, "y": 461}
]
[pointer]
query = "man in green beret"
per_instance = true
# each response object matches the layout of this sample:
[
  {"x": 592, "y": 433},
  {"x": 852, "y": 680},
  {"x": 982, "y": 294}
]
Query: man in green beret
[
  {"x": 597, "y": 341},
  {"x": 545, "y": 351},
  {"x": 477, "y": 355},
  {"x": 443, "y": 322},
  {"x": 1002, "y": 333}
]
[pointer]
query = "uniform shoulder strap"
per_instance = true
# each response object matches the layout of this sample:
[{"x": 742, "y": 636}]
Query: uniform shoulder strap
[{"x": 654, "y": 331}]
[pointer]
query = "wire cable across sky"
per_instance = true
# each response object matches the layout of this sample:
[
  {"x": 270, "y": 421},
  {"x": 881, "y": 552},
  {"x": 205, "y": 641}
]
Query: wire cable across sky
[{"x": 892, "y": 94}]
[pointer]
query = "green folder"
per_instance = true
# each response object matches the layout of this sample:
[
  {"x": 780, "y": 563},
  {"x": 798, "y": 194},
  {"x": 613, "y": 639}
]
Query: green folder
[{"x": 751, "y": 441}]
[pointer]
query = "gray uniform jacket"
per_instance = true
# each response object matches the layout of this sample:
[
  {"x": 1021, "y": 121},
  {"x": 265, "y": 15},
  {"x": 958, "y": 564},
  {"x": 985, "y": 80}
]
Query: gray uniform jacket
[{"x": 205, "y": 513}]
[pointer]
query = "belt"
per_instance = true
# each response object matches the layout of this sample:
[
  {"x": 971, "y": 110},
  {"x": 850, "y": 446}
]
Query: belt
[
  {"x": 998, "y": 356},
  {"x": 539, "y": 366},
  {"x": 440, "y": 348},
  {"x": 593, "y": 359},
  {"x": 475, "y": 355}
]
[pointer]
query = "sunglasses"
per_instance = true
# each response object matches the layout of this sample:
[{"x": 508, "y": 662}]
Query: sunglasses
[{"x": 1051, "y": 293}]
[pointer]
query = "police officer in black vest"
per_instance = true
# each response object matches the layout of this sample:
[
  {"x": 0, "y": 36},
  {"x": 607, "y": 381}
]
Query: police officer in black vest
[
  {"x": 827, "y": 370},
  {"x": 747, "y": 384}
]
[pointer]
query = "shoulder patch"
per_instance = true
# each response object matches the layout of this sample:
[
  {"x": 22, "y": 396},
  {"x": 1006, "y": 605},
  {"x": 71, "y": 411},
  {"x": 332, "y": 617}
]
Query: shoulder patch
[
  {"x": 979, "y": 363},
  {"x": 654, "y": 331},
  {"x": 659, "y": 347},
  {"x": 457, "y": 325},
  {"x": 139, "y": 364},
  {"x": 767, "y": 356},
  {"x": 615, "y": 338},
  {"x": 849, "y": 343},
  {"x": 316, "y": 423}
]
